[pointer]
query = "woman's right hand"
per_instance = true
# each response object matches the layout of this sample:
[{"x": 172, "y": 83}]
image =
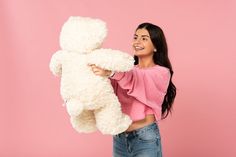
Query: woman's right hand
[{"x": 99, "y": 71}]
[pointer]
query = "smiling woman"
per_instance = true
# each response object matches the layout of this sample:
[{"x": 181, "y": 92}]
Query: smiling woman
[
  {"x": 146, "y": 93},
  {"x": 143, "y": 46}
]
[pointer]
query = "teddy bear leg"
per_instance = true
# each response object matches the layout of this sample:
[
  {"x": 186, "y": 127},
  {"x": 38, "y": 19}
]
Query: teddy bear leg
[
  {"x": 74, "y": 107},
  {"x": 110, "y": 119},
  {"x": 85, "y": 122}
]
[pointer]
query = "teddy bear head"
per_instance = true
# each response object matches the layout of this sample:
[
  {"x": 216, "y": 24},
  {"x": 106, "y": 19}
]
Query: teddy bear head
[{"x": 82, "y": 34}]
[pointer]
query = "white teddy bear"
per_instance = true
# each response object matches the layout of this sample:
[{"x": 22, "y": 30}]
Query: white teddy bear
[{"x": 90, "y": 99}]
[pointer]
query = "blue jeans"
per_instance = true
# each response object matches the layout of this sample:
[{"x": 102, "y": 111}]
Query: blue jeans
[{"x": 143, "y": 142}]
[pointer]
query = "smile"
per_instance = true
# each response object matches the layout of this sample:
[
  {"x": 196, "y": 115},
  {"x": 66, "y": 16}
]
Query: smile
[{"x": 138, "y": 48}]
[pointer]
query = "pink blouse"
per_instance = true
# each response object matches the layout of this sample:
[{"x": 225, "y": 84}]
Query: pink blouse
[{"x": 141, "y": 91}]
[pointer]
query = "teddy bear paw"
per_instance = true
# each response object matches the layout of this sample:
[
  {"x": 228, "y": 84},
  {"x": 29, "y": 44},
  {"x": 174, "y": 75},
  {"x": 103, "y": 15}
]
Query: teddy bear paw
[{"x": 74, "y": 107}]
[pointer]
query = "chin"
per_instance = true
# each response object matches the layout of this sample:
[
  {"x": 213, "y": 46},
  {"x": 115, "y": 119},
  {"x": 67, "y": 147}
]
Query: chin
[{"x": 137, "y": 53}]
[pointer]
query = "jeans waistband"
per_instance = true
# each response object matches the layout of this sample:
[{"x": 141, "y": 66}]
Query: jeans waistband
[{"x": 140, "y": 130}]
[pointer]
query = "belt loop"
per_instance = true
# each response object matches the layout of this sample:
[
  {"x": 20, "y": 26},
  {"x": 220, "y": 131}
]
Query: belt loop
[{"x": 134, "y": 132}]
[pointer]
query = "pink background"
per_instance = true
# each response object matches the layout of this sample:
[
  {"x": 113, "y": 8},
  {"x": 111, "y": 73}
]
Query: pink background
[{"x": 201, "y": 37}]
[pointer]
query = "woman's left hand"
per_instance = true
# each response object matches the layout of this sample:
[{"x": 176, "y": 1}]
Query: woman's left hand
[{"x": 99, "y": 71}]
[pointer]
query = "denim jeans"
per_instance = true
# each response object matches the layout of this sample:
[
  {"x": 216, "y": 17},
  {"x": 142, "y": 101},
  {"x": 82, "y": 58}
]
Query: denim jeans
[{"x": 143, "y": 142}]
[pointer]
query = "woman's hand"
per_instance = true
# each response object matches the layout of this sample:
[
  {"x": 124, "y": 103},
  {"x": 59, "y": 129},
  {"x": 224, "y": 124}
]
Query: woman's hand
[{"x": 99, "y": 71}]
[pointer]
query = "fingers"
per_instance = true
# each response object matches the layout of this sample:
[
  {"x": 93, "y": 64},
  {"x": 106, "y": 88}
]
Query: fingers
[
  {"x": 97, "y": 70},
  {"x": 92, "y": 65}
]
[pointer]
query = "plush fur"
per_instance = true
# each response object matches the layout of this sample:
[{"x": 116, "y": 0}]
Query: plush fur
[{"x": 90, "y": 99}]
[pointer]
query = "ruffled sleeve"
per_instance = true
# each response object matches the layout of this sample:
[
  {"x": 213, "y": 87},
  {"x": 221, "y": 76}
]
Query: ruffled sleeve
[{"x": 148, "y": 86}]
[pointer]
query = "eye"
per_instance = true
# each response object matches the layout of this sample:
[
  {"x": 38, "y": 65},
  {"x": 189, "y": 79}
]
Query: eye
[
  {"x": 144, "y": 39},
  {"x": 135, "y": 38}
]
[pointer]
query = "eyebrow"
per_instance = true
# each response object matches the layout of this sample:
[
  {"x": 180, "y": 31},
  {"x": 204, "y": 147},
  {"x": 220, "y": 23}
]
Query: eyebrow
[{"x": 142, "y": 35}]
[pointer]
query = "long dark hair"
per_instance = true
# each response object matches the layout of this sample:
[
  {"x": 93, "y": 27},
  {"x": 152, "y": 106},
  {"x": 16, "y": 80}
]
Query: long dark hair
[{"x": 160, "y": 57}]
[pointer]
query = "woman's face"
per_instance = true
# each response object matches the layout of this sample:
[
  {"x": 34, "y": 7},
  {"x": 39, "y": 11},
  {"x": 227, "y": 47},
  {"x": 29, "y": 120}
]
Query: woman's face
[{"x": 142, "y": 44}]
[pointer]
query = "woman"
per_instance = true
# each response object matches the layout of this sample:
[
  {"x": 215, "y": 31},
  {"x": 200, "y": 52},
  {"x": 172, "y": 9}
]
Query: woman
[{"x": 146, "y": 93}]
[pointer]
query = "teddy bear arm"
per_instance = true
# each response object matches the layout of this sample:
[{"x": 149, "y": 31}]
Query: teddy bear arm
[
  {"x": 56, "y": 63},
  {"x": 113, "y": 60}
]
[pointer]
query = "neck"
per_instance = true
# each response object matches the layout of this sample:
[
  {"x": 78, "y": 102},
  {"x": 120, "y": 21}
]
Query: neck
[{"x": 146, "y": 63}]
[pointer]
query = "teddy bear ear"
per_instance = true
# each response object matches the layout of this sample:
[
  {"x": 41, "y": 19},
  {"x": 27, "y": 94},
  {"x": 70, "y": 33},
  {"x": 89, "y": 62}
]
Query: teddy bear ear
[{"x": 73, "y": 18}]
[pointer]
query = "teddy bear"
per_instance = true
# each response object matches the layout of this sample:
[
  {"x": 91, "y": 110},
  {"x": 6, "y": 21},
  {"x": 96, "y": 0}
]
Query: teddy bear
[{"x": 89, "y": 99}]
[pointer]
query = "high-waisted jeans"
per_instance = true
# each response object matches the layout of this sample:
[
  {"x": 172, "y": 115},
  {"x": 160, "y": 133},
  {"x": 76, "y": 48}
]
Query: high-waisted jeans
[{"x": 143, "y": 142}]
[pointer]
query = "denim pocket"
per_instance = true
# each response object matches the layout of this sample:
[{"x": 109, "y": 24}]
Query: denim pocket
[{"x": 149, "y": 135}]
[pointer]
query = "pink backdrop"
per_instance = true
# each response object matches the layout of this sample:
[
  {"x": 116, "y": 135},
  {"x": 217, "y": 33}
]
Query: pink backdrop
[{"x": 201, "y": 37}]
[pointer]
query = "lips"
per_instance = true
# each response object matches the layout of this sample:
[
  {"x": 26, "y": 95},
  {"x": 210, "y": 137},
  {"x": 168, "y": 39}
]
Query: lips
[{"x": 138, "y": 48}]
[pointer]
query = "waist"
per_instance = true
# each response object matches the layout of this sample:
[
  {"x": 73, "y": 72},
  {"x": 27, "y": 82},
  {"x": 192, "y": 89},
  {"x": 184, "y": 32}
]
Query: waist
[
  {"x": 152, "y": 126},
  {"x": 149, "y": 119}
]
